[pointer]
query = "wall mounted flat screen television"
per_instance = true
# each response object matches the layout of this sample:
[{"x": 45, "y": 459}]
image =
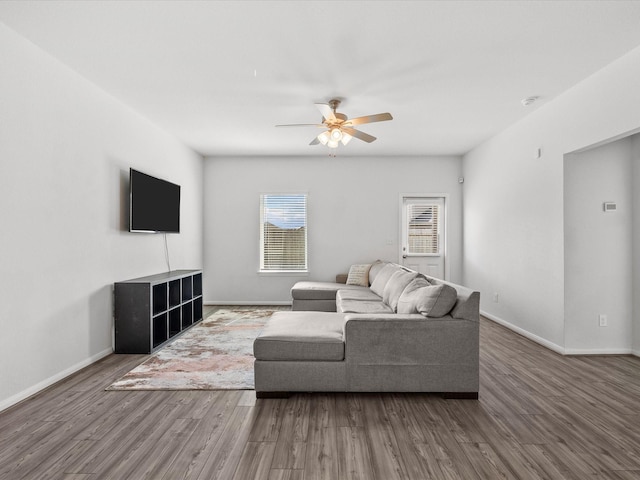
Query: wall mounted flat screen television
[{"x": 154, "y": 204}]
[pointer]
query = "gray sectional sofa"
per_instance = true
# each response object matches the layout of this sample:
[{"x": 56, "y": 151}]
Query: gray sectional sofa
[{"x": 388, "y": 329}]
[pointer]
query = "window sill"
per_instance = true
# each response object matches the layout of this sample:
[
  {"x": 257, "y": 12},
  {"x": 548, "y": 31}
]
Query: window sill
[{"x": 283, "y": 273}]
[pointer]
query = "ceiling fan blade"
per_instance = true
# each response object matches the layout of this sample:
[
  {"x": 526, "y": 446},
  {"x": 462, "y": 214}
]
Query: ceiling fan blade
[
  {"x": 358, "y": 134},
  {"x": 303, "y": 125},
  {"x": 379, "y": 117},
  {"x": 315, "y": 141},
  {"x": 326, "y": 111}
]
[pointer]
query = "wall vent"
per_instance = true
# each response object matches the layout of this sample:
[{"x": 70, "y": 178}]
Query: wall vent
[{"x": 609, "y": 206}]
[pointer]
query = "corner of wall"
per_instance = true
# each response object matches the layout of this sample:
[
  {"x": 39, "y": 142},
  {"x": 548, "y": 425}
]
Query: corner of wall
[{"x": 635, "y": 168}]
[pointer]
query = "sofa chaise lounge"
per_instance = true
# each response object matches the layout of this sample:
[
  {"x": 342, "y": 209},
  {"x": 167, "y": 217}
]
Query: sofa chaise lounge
[{"x": 389, "y": 330}]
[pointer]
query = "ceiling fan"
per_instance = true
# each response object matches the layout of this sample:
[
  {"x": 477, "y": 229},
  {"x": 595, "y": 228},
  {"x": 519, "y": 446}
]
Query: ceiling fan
[{"x": 339, "y": 128}]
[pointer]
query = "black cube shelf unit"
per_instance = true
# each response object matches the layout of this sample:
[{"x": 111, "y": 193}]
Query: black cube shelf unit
[{"x": 150, "y": 311}]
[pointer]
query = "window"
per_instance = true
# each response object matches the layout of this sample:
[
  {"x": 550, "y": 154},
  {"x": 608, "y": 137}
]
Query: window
[
  {"x": 283, "y": 233},
  {"x": 423, "y": 228}
]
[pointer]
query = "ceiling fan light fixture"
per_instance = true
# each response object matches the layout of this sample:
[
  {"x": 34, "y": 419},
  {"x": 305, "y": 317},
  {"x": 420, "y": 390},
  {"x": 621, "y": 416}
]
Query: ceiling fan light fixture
[
  {"x": 323, "y": 138},
  {"x": 346, "y": 138},
  {"x": 332, "y": 144},
  {"x": 336, "y": 134}
]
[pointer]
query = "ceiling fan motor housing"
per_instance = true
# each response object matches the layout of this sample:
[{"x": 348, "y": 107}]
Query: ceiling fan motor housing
[{"x": 341, "y": 117}]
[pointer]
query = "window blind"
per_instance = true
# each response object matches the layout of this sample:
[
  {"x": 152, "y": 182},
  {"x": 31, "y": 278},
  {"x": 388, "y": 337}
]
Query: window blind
[
  {"x": 423, "y": 224},
  {"x": 283, "y": 232}
]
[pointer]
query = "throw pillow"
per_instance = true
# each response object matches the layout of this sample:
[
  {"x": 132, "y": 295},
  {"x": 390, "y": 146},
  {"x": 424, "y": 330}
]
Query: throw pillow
[
  {"x": 383, "y": 276},
  {"x": 431, "y": 301},
  {"x": 395, "y": 286},
  {"x": 359, "y": 275}
]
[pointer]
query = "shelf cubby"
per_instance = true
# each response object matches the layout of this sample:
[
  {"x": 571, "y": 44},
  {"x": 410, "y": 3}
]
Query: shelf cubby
[
  {"x": 160, "y": 329},
  {"x": 187, "y": 315},
  {"x": 197, "y": 285},
  {"x": 187, "y": 289},
  {"x": 159, "y": 298},
  {"x": 175, "y": 325},
  {"x": 174, "y": 293},
  {"x": 197, "y": 311}
]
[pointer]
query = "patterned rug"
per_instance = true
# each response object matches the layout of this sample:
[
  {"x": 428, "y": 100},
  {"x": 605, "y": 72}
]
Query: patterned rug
[{"x": 216, "y": 354}]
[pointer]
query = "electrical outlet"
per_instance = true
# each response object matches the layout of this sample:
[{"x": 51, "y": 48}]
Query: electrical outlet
[
  {"x": 604, "y": 321},
  {"x": 496, "y": 299}
]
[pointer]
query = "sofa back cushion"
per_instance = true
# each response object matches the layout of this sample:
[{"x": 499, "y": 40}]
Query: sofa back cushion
[
  {"x": 430, "y": 300},
  {"x": 382, "y": 277},
  {"x": 418, "y": 282},
  {"x": 375, "y": 269},
  {"x": 395, "y": 286}
]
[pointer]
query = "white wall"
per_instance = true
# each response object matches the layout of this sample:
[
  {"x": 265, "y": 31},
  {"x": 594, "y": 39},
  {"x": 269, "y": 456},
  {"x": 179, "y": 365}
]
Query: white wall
[
  {"x": 65, "y": 152},
  {"x": 513, "y": 203},
  {"x": 598, "y": 249},
  {"x": 353, "y": 216},
  {"x": 635, "y": 165}
]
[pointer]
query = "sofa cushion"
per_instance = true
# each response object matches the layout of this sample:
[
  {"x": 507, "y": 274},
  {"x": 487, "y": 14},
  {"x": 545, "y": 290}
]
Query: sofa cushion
[
  {"x": 383, "y": 277},
  {"x": 301, "y": 336},
  {"x": 395, "y": 286},
  {"x": 318, "y": 290},
  {"x": 363, "y": 306},
  {"x": 359, "y": 275},
  {"x": 430, "y": 301},
  {"x": 359, "y": 294}
]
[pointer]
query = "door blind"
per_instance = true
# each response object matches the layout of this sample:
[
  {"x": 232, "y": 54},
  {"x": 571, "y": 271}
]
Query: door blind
[{"x": 423, "y": 228}]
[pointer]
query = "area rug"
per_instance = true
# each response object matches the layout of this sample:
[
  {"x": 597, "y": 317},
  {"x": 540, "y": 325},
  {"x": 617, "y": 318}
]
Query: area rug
[{"x": 216, "y": 354}]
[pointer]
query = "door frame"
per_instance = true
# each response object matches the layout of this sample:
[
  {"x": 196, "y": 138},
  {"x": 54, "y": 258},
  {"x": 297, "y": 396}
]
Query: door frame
[{"x": 445, "y": 227}]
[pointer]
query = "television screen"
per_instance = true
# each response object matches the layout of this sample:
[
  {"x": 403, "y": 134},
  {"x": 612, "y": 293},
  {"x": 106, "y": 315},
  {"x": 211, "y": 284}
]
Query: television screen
[{"x": 154, "y": 204}]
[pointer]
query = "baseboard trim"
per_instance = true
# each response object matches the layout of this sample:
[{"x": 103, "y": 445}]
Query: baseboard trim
[
  {"x": 18, "y": 397},
  {"x": 244, "y": 302},
  {"x": 525, "y": 333},
  {"x": 558, "y": 348},
  {"x": 598, "y": 351}
]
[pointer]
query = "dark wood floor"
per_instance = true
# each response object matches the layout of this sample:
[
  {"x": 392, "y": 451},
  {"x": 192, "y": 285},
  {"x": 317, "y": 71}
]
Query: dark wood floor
[{"x": 539, "y": 416}]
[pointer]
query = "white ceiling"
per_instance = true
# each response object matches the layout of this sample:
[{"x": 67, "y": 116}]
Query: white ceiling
[{"x": 220, "y": 74}]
